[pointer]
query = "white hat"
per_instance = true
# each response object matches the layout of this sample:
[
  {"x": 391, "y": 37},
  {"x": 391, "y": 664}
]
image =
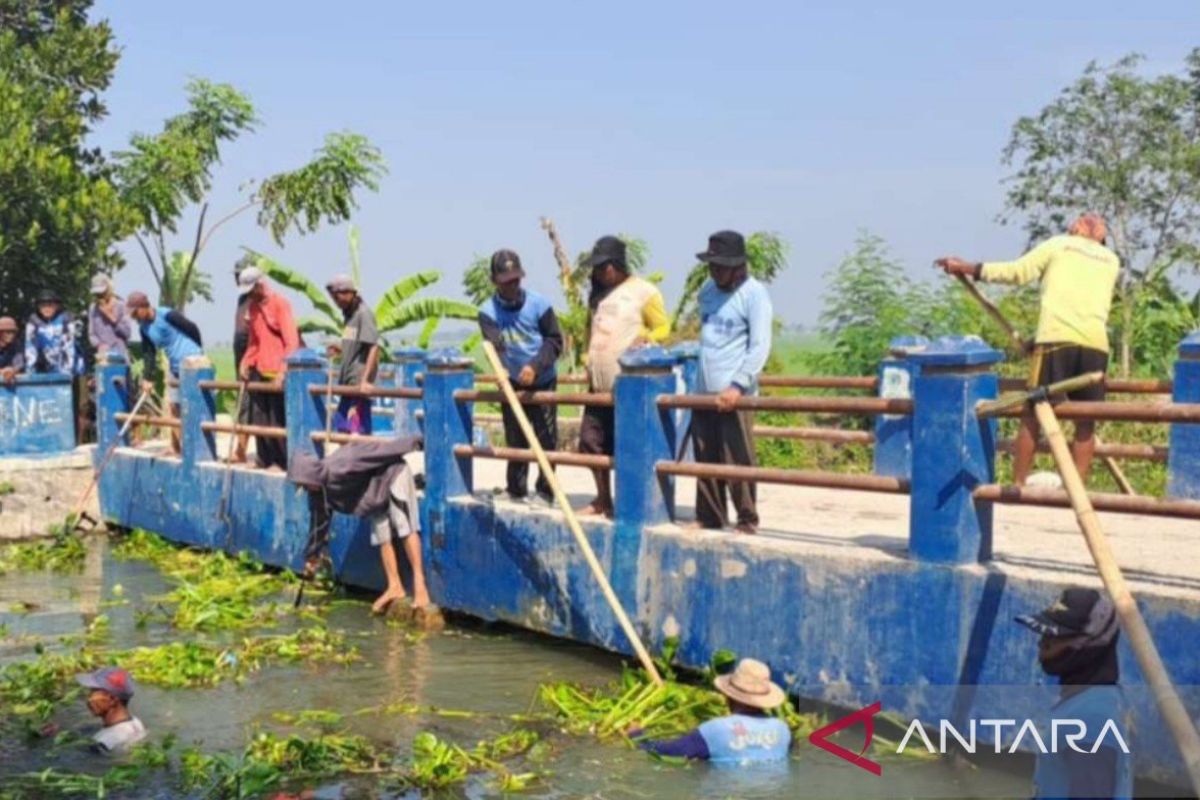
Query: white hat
[
  {"x": 248, "y": 279},
  {"x": 750, "y": 684},
  {"x": 101, "y": 285}
]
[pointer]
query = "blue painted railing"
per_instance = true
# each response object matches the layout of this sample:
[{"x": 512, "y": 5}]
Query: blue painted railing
[{"x": 37, "y": 416}]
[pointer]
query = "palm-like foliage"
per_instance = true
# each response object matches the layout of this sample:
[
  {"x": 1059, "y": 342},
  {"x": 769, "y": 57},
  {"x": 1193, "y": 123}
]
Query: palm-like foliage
[{"x": 766, "y": 257}]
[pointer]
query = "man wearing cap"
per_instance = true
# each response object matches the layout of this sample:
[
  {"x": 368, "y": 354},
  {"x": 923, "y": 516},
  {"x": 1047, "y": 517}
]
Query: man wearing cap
[
  {"x": 1078, "y": 645},
  {"x": 735, "y": 342},
  {"x": 273, "y": 337},
  {"x": 624, "y": 311},
  {"x": 109, "y": 328},
  {"x": 359, "y": 350},
  {"x": 747, "y": 735},
  {"x": 109, "y": 692},
  {"x": 522, "y": 326},
  {"x": 1077, "y": 274},
  {"x": 50, "y": 338},
  {"x": 167, "y": 330},
  {"x": 241, "y": 338},
  {"x": 12, "y": 354}
]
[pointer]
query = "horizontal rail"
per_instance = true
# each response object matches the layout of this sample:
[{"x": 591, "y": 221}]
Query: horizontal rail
[
  {"x": 346, "y": 438},
  {"x": 538, "y": 398},
  {"x": 146, "y": 419},
  {"x": 1145, "y": 452},
  {"x": 828, "y": 435},
  {"x": 1121, "y": 411},
  {"x": 819, "y": 405},
  {"x": 265, "y": 387},
  {"x": 265, "y": 431},
  {"x": 869, "y": 382},
  {"x": 406, "y": 392},
  {"x": 1114, "y": 385},
  {"x": 563, "y": 380},
  {"x": 519, "y": 454},
  {"x": 1118, "y": 503},
  {"x": 790, "y": 477}
]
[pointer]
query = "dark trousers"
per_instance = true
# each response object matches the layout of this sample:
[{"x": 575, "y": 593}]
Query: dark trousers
[
  {"x": 267, "y": 408},
  {"x": 544, "y": 420},
  {"x": 724, "y": 438}
]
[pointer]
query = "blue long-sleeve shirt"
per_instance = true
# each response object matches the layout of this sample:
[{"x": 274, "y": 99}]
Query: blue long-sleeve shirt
[{"x": 735, "y": 336}]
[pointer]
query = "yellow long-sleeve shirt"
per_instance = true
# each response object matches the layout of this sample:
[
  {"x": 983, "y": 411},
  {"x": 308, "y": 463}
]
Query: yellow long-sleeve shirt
[
  {"x": 656, "y": 325},
  {"x": 1077, "y": 279}
]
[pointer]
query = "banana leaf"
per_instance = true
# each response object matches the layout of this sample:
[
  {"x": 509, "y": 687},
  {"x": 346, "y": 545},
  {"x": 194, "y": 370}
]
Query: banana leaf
[
  {"x": 314, "y": 324},
  {"x": 427, "y": 332},
  {"x": 394, "y": 318},
  {"x": 402, "y": 290}
]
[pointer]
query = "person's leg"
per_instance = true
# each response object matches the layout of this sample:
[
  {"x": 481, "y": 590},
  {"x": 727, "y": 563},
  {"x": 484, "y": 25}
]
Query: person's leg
[
  {"x": 1083, "y": 449},
  {"x": 595, "y": 439},
  {"x": 706, "y": 449},
  {"x": 276, "y": 448},
  {"x": 1025, "y": 448},
  {"x": 412, "y": 549},
  {"x": 242, "y": 413},
  {"x": 545, "y": 426},
  {"x": 517, "y": 472},
  {"x": 738, "y": 448},
  {"x": 381, "y": 537}
]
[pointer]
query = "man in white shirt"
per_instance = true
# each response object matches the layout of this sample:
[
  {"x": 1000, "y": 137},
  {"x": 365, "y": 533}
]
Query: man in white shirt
[{"x": 109, "y": 691}]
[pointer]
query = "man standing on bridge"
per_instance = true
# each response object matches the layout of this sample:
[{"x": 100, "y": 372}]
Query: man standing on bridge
[
  {"x": 1077, "y": 274},
  {"x": 735, "y": 342},
  {"x": 164, "y": 329},
  {"x": 359, "y": 351},
  {"x": 273, "y": 337}
]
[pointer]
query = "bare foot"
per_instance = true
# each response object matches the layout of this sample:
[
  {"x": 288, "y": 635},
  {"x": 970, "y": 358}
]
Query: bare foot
[
  {"x": 386, "y": 599},
  {"x": 746, "y": 528},
  {"x": 594, "y": 509}
]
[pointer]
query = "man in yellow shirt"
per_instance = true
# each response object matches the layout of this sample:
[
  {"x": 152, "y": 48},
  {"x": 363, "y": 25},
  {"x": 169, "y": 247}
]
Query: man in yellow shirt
[
  {"x": 1077, "y": 275},
  {"x": 624, "y": 311}
]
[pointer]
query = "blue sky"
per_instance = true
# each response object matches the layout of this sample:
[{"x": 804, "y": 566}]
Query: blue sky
[{"x": 662, "y": 120}]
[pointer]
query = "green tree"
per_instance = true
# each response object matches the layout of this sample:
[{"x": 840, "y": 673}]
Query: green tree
[
  {"x": 162, "y": 175},
  {"x": 60, "y": 213},
  {"x": 1127, "y": 146}
]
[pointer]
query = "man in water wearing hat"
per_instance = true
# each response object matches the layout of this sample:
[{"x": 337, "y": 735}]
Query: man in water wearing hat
[
  {"x": 109, "y": 691},
  {"x": 50, "y": 338},
  {"x": 1077, "y": 275},
  {"x": 164, "y": 329},
  {"x": 735, "y": 342},
  {"x": 359, "y": 350},
  {"x": 747, "y": 734},
  {"x": 1078, "y": 645},
  {"x": 12, "y": 354},
  {"x": 109, "y": 328},
  {"x": 522, "y": 326},
  {"x": 273, "y": 337},
  {"x": 624, "y": 311}
]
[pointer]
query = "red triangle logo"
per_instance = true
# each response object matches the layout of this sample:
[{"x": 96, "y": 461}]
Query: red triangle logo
[{"x": 820, "y": 737}]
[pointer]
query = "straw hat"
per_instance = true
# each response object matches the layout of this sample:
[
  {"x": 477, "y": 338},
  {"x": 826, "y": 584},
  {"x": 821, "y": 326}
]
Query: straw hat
[{"x": 750, "y": 684}]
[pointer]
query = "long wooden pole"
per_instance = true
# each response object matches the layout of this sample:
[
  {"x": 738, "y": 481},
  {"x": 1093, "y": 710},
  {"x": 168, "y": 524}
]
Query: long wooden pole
[
  {"x": 1019, "y": 342},
  {"x": 1178, "y": 720},
  {"x": 572, "y": 522}
]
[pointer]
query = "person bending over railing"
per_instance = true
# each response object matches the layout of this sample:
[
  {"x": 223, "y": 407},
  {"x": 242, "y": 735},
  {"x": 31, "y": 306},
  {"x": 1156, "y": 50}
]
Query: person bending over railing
[
  {"x": 735, "y": 342},
  {"x": 522, "y": 326},
  {"x": 1077, "y": 275},
  {"x": 624, "y": 311},
  {"x": 164, "y": 329}
]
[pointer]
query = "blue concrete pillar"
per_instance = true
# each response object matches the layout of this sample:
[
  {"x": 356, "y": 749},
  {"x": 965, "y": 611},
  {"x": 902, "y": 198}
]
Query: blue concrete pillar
[
  {"x": 645, "y": 434},
  {"x": 893, "y": 432},
  {"x": 447, "y": 423},
  {"x": 305, "y": 410},
  {"x": 686, "y": 371},
  {"x": 197, "y": 406},
  {"x": 410, "y": 363},
  {"x": 1183, "y": 460},
  {"x": 112, "y": 398},
  {"x": 953, "y": 451}
]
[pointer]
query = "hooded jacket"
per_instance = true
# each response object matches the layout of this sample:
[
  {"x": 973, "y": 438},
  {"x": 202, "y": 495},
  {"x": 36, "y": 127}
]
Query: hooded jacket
[{"x": 357, "y": 478}]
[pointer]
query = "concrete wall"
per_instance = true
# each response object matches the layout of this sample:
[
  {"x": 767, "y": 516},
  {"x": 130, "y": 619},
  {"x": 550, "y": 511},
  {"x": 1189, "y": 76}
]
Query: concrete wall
[{"x": 37, "y": 416}]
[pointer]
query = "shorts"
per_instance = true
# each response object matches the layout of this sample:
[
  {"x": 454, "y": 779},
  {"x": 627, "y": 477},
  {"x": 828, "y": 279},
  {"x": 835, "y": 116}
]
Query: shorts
[
  {"x": 1052, "y": 363},
  {"x": 392, "y": 523},
  {"x": 597, "y": 431}
]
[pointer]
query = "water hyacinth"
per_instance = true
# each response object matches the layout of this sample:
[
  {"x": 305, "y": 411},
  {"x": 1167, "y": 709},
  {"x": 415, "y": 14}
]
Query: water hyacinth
[{"x": 64, "y": 553}]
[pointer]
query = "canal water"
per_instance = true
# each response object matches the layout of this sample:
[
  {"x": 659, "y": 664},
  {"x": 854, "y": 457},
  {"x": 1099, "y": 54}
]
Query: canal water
[{"x": 469, "y": 666}]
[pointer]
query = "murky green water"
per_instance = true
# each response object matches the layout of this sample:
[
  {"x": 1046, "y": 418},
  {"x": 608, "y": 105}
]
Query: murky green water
[{"x": 477, "y": 668}]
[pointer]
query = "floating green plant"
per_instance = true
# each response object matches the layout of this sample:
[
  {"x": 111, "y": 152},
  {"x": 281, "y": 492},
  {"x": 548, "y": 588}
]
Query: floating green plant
[{"x": 63, "y": 553}]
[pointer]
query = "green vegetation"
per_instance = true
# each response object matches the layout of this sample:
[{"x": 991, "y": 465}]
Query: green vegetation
[{"x": 62, "y": 553}]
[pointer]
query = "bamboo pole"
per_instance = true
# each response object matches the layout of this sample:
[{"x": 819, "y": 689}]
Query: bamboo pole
[
  {"x": 1173, "y": 711},
  {"x": 572, "y": 522},
  {"x": 993, "y": 408}
]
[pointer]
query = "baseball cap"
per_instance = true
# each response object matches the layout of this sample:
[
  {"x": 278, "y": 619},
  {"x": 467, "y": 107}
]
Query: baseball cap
[
  {"x": 114, "y": 680},
  {"x": 137, "y": 300},
  {"x": 101, "y": 284},
  {"x": 341, "y": 283},
  {"x": 248, "y": 279},
  {"x": 1076, "y": 611},
  {"x": 506, "y": 266}
]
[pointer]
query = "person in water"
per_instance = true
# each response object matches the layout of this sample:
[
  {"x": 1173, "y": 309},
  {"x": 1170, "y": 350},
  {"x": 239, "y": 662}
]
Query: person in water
[
  {"x": 1078, "y": 645},
  {"x": 109, "y": 692},
  {"x": 744, "y": 736}
]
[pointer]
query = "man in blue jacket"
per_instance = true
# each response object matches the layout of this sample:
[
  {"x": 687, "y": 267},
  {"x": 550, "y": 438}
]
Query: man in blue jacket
[
  {"x": 523, "y": 328},
  {"x": 164, "y": 329},
  {"x": 50, "y": 338},
  {"x": 735, "y": 341}
]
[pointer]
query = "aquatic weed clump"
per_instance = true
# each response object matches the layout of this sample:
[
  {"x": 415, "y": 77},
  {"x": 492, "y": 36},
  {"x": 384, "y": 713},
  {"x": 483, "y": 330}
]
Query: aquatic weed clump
[{"x": 63, "y": 553}]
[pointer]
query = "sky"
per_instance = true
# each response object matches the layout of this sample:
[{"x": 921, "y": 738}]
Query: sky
[{"x": 667, "y": 121}]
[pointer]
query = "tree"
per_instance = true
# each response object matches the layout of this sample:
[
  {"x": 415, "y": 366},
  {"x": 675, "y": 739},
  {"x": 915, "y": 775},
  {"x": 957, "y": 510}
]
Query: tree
[
  {"x": 161, "y": 175},
  {"x": 766, "y": 257},
  {"x": 59, "y": 213},
  {"x": 1126, "y": 146}
]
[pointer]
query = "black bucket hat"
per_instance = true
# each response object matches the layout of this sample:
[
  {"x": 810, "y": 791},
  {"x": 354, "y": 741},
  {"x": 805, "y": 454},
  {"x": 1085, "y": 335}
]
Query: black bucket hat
[
  {"x": 725, "y": 249},
  {"x": 608, "y": 250},
  {"x": 506, "y": 266},
  {"x": 1077, "y": 611}
]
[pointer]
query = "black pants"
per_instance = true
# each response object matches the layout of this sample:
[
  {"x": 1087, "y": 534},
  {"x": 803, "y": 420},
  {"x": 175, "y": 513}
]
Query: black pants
[
  {"x": 544, "y": 420},
  {"x": 724, "y": 438},
  {"x": 267, "y": 408}
]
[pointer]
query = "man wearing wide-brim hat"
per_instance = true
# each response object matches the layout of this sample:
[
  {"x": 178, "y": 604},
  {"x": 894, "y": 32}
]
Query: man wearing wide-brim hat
[
  {"x": 735, "y": 342},
  {"x": 748, "y": 734}
]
